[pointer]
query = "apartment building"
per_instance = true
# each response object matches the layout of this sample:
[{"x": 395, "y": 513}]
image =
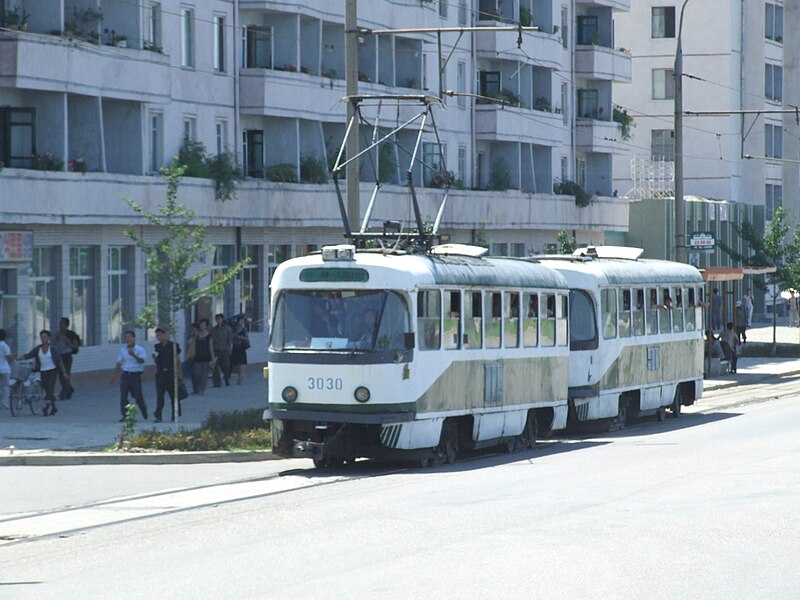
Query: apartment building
[
  {"x": 740, "y": 61},
  {"x": 96, "y": 96}
]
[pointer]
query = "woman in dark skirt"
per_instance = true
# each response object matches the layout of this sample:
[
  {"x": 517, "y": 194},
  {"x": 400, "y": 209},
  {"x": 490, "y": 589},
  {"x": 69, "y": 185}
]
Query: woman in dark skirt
[{"x": 239, "y": 353}]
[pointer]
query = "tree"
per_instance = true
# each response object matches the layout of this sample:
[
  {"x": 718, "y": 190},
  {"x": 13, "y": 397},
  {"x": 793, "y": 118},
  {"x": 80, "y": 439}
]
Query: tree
[
  {"x": 171, "y": 259},
  {"x": 566, "y": 245}
]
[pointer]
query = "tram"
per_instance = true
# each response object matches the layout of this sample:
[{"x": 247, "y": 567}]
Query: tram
[
  {"x": 636, "y": 344},
  {"x": 390, "y": 354}
]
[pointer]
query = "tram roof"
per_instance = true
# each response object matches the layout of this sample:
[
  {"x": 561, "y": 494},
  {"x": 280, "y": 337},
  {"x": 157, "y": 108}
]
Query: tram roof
[
  {"x": 455, "y": 270},
  {"x": 611, "y": 271}
]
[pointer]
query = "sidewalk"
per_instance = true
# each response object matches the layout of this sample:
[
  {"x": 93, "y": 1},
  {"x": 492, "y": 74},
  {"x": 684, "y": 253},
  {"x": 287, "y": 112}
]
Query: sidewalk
[{"x": 89, "y": 421}]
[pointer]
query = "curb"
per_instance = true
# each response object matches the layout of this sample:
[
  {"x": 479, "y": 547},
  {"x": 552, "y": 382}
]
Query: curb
[{"x": 52, "y": 459}]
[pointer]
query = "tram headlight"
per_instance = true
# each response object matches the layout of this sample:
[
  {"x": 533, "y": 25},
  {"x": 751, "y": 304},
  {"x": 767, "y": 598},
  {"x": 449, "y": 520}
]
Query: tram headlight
[
  {"x": 289, "y": 394},
  {"x": 362, "y": 394}
]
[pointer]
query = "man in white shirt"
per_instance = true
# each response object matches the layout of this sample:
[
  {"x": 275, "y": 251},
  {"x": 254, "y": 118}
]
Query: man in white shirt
[
  {"x": 5, "y": 369},
  {"x": 130, "y": 361}
]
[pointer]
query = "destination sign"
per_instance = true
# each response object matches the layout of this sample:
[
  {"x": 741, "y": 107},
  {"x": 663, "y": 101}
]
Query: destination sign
[
  {"x": 333, "y": 275},
  {"x": 702, "y": 240}
]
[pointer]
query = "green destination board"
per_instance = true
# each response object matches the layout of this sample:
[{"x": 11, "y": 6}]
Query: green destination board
[{"x": 329, "y": 275}]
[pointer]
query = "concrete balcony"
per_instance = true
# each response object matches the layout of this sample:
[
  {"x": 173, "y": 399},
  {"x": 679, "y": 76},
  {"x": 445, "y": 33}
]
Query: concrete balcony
[
  {"x": 55, "y": 64},
  {"x": 546, "y": 47},
  {"x": 494, "y": 122},
  {"x": 606, "y": 64},
  {"x": 621, "y": 5},
  {"x": 59, "y": 198},
  {"x": 291, "y": 94},
  {"x": 592, "y": 135}
]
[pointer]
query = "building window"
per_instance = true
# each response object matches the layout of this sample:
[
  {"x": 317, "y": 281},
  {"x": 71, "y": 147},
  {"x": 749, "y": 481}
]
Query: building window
[
  {"x": 190, "y": 129},
  {"x": 276, "y": 254},
  {"x": 773, "y": 82},
  {"x": 81, "y": 292},
  {"x": 564, "y": 168},
  {"x": 156, "y": 142},
  {"x": 462, "y": 12},
  {"x": 565, "y": 26},
  {"x": 462, "y": 164},
  {"x": 773, "y": 199},
  {"x": 221, "y": 136},
  {"x": 443, "y": 4},
  {"x": 223, "y": 259},
  {"x": 153, "y": 41},
  {"x": 461, "y": 84},
  {"x": 489, "y": 82},
  {"x": 588, "y": 104},
  {"x": 663, "y": 22},
  {"x": 518, "y": 250},
  {"x": 258, "y": 48},
  {"x": 499, "y": 249},
  {"x": 187, "y": 37},
  {"x": 663, "y": 84},
  {"x": 219, "y": 44},
  {"x": 773, "y": 142},
  {"x": 118, "y": 291},
  {"x": 564, "y": 103},
  {"x": 43, "y": 289},
  {"x": 433, "y": 159},
  {"x": 773, "y": 22},
  {"x": 250, "y": 299},
  {"x": 17, "y": 137},
  {"x": 662, "y": 144},
  {"x": 580, "y": 172},
  {"x": 254, "y": 152},
  {"x": 588, "y": 32}
]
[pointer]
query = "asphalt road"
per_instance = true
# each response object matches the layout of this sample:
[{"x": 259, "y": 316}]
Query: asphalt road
[{"x": 705, "y": 506}]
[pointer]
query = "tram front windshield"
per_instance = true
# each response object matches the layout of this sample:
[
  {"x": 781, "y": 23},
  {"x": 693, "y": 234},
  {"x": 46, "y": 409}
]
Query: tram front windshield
[{"x": 340, "y": 320}]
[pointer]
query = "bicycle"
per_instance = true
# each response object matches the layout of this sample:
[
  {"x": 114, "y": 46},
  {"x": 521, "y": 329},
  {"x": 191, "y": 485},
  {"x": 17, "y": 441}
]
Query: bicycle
[{"x": 25, "y": 388}]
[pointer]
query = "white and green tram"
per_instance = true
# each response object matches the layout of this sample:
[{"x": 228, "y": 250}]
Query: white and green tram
[
  {"x": 636, "y": 344},
  {"x": 397, "y": 355}
]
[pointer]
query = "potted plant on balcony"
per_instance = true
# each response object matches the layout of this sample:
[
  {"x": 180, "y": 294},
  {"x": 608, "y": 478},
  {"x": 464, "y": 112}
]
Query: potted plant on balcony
[
  {"x": 525, "y": 17},
  {"x": 624, "y": 120},
  {"x": 16, "y": 18}
]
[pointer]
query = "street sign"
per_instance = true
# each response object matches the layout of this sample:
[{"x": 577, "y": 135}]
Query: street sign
[{"x": 702, "y": 240}]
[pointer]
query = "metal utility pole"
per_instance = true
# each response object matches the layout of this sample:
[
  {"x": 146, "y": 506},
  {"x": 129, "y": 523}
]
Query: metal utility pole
[
  {"x": 680, "y": 205},
  {"x": 351, "y": 86}
]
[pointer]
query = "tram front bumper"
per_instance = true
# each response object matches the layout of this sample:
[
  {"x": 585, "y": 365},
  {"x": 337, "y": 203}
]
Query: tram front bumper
[{"x": 305, "y": 449}]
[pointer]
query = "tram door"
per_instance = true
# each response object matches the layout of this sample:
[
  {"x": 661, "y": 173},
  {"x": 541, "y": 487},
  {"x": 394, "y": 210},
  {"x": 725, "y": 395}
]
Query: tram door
[{"x": 584, "y": 365}]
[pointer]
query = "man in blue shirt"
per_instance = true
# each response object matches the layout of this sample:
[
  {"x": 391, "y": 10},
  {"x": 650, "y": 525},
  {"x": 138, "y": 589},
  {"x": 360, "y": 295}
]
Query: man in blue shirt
[{"x": 130, "y": 361}]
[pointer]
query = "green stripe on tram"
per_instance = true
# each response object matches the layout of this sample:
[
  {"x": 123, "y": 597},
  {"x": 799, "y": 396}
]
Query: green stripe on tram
[{"x": 370, "y": 409}]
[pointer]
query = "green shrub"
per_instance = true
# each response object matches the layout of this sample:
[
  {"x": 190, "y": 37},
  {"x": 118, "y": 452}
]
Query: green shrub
[
  {"x": 570, "y": 188},
  {"x": 221, "y": 168},
  {"x": 192, "y": 155},
  {"x": 47, "y": 162},
  {"x": 235, "y": 420},
  {"x": 282, "y": 172},
  {"x": 312, "y": 169}
]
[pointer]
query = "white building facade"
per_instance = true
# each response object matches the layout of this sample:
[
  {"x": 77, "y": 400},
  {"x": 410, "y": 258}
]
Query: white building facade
[{"x": 97, "y": 96}]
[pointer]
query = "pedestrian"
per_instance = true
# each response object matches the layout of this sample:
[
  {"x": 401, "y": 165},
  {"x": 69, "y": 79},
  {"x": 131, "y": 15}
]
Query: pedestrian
[
  {"x": 794, "y": 313},
  {"x": 747, "y": 302},
  {"x": 130, "y": 361},
  {"x": 66, "y": 343},
  {"x": 716, "y": 309},
  {"x": 202, "y": 358},
  {"x": 239, "y": 354},
  {"x": 47, "y": 362},
  {"x": 729, "y": 338},
  {"x": 166, "y": 355},
  {"x": 5, "y": 369},
  {"x": 713, "y": 345},
  {"x": 741, "y": 323},
  {"x": 222, "y": 340}
]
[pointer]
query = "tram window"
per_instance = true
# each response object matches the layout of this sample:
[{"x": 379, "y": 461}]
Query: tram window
[
  {"x": 582, "y": 323},
  {"x": 493, "y": 323},
  {"x": 699, "y": 314},
  {"x": 473, "y": 321},
  {"x": 608, "y": 307},
  {"x": 429, "y": 324},
  {"x": 651, "y": 319},
  {"x": 638, "y": 313},
  {"x": 452, "y": 320},
  {"x": 562, "y": 320},
  {"x": 691, "y": 303},
  {"x": 664, "y": 310},
  {"x": 548, "y": 320},
  {"x": 624, "y": 313},
  {"x": 677, "y": 311},
  {"x": 530, "y": 321},
  {"x": 511, "y": 320}
]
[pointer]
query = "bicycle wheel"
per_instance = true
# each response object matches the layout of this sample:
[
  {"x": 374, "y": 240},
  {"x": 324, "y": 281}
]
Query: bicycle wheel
[
  {"x": 35, "y": 394},
  {"x": 17, "y": 399}
]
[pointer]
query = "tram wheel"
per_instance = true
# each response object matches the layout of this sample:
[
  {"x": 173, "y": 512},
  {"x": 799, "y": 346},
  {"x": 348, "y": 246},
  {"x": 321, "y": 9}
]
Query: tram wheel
[
  {"x": 528, "y": 437},
  {"x": 617, "y": 423},
  {"x": 661, "y": 413},
  {"x": 675, "y": 407},
  {"x": 326, "y": 462}
]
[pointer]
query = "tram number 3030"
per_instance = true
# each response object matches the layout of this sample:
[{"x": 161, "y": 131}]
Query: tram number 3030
[{"x": 325, "y": 383}]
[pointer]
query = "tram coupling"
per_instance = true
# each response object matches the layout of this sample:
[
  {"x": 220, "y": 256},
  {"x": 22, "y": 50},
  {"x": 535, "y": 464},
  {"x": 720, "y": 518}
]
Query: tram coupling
[{"x": 306, "y": 449}]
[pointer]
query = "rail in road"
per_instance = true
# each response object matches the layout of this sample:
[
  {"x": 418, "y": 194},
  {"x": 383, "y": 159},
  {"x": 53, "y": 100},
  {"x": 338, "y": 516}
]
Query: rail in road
[{"x": 67, "y": 521}]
